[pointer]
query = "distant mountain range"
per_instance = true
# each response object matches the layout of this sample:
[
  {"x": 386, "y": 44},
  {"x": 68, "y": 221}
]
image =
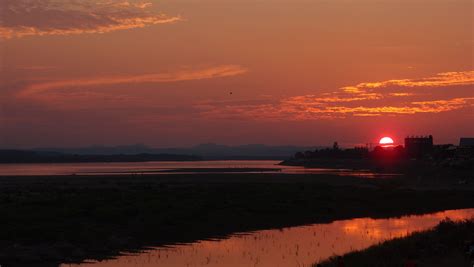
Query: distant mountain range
[
  {"x": 31, "y": 156},
  {"x": 204, "y": 151}
]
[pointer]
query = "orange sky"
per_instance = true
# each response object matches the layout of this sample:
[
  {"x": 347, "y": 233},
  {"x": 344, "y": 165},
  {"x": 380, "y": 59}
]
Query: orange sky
[{"x": 183, "y": 72}]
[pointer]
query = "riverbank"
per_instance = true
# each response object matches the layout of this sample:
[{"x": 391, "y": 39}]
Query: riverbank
[
  {"x": 58, "y": 219},
  {"x": 398, "y": 165},
  {"x": 446, "y": 245}
]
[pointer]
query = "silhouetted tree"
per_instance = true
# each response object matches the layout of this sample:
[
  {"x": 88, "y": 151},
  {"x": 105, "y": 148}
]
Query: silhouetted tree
[{"x": 299, "y": 155}]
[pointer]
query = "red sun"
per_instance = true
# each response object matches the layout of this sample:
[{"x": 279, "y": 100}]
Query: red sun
[{"x": 386, "y": 141}]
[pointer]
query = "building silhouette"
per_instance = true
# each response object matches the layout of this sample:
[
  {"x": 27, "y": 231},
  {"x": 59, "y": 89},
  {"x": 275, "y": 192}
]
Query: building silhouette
[
  {"x": 466, "y": 142},
  {"x": 418, "y": 146},
  {"x": 466, "y": 148}
]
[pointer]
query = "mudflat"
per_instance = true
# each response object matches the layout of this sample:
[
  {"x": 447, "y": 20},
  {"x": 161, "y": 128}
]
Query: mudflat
[{"x": 50, "y": 220}]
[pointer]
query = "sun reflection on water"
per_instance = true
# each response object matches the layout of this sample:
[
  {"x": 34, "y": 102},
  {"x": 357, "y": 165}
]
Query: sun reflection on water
[{"x": 295, "y": 246}]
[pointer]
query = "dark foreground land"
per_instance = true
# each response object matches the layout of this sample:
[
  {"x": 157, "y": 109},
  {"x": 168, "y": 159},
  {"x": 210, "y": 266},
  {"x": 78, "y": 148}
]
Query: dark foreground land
[
  {"x": 449, "y": 244},
  {"x": 51, "y": 220}
]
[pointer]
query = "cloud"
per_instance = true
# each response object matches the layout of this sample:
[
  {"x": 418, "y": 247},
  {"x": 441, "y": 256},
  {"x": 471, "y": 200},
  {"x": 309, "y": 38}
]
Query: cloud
[
  {"x": 53, "y": 17},
  {"x": 439, "y": 80},
  {"x": 362, "y": 100},
  {"x": 401, "y": 94},
  {"x": 290, "y": 110},
  {"x": 184, "y": 75}
]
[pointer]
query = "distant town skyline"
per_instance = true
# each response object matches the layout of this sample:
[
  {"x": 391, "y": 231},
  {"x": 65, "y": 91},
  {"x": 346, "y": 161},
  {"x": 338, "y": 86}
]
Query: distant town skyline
[
  {"x": 369, "y": 144},
  {"x": 182, "y": 73}
]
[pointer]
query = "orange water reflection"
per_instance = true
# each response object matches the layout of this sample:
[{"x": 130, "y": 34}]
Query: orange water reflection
[
  {"x": 295, "y": 246},
  {"x": 164, "y": 167}
]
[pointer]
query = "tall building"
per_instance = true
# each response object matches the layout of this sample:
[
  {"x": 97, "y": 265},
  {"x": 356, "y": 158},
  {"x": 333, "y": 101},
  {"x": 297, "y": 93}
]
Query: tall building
[{"x": 419, "y": 146}]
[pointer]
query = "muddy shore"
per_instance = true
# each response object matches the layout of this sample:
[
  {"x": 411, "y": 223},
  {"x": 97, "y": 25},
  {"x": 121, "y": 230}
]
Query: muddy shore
[{"x": 60, "y": 219}]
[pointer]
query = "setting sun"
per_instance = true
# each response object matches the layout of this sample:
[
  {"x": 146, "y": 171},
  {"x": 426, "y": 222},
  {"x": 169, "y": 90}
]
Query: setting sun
[{"x": 386, "y": 141}]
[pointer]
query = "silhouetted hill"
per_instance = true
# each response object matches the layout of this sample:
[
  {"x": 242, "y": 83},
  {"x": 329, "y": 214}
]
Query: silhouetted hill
[
  {"x": 28, "y": 156},
  {"x": 205, "y": 151},
  {"x": 102, "y": 150}
]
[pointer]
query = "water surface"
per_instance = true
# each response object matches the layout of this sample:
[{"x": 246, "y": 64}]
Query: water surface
[
  {"x": 176, "y": 167},
  {"x": 294, "y": 246}
]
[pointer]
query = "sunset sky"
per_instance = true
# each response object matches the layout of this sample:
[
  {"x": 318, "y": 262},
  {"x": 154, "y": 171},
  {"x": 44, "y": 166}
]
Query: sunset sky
[{"x": 183, "y": 72}]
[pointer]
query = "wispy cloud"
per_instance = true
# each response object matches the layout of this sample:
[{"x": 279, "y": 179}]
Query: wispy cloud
[
  {"x": 291, "y": 110},
  {"x": 53, "y": 17},
  {"x": 183, "y": 75},
  {"x": 364, "y": 99},
  {"x": 440, "y": 79}
]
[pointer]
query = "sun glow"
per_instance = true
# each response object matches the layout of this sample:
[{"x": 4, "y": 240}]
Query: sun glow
[{"x": 386, "y": 141}]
